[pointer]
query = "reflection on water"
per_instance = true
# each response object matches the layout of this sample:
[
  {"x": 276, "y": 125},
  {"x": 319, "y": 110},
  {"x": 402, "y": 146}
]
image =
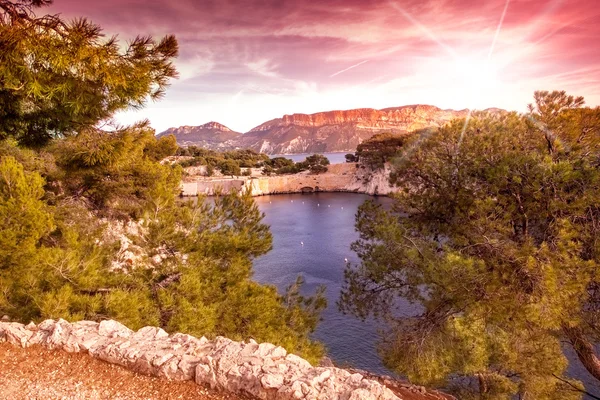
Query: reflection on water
[{"x": 312, "y": 234}]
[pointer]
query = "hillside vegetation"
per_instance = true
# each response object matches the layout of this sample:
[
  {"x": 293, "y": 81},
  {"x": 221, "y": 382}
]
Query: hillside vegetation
[
  {"x": 231, "y": 162},
  {"x": 494, "y": 234},
  {"x": 64, "y": 183}
]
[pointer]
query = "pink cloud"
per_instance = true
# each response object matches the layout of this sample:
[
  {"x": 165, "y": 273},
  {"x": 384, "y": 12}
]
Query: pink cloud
[{"x": 254, "y": 50}]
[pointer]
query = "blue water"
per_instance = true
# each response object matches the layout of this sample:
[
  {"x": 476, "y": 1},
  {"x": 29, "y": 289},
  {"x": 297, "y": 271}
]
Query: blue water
[
  {"x": 327, "y": 230},
  {"x": 334, "y": 158},
  {"x": 324, "y": 222}
]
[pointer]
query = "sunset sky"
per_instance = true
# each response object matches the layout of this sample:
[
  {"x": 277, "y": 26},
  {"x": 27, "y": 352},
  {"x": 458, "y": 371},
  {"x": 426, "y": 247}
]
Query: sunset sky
[{"x": 243, "y": 62}]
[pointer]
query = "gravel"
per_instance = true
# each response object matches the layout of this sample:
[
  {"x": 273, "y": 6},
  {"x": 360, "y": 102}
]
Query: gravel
[{"x": 37, "y": 373}]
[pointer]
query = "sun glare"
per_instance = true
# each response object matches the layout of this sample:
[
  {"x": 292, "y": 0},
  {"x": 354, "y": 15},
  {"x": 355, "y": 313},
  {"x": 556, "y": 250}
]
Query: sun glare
[{"x": 475, "y": 77}]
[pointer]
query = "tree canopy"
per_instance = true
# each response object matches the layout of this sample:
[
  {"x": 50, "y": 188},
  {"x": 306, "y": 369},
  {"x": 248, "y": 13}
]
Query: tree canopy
[
  {"x": 245, "y": 158},
  {"x": 494, "y": 237},
  {"x": 70, "y": 190},
  {"x": 316, "y": 163},
  {"x": 378, "y": 150},
  {"x": 60, "y": 77}
]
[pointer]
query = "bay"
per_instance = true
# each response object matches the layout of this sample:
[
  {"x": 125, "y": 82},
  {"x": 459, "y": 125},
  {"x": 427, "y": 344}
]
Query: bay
[{"x": 312, "y": 234}]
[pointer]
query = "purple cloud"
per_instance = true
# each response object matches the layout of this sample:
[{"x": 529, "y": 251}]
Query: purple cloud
[{"x": 246, "y": 61}]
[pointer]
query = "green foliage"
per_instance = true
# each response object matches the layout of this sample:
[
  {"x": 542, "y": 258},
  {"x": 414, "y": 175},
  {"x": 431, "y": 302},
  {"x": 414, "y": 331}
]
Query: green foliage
[
  {"x": 65, "y": 186},
  {"x": 164, "y": 147},
  {"x": 283, "y": 166},
  {"x": 280, "y": 166},
  {"x": 267, "y": 170},
  {"x": 294, "y": 168},
  {"x": 57, "y": 263},
  {"x": 25, "y": 217},
  {"x": 379, "y": 149},
  {"x": 210, "y": 170},
  {"x": 210, "y": 292},
  {"x": 118, "y": 172},
  {"x": 351, "y": 157},
  {"x": 44, "y": 255},
  {"x": 58, "y": 77},
  {"x": 493, "y": 236},
  {"x": 280, "y": 162},
  {"x": 229, "y": 162},
  {"x": 247, "y": 158},
  {"x": 230, "y": 167},
  {"x": 316, "y": 164},
  {"x": 244, "y": 158}
]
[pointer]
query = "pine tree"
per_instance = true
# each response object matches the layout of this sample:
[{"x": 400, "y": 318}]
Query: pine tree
[
  {"x": 494, "y": 238},
  {"x": 60, "y": 77},
  {"x": 64, "y": 183},
  {"x": 25, "y": 217}
]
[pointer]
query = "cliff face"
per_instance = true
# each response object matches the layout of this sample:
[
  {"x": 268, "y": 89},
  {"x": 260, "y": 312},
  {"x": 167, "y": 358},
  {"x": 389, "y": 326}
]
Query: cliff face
[
  {"x": 325, "y": 131},
  {"x": 346, "y": 177},
  {"x": 406, "y": 118}
]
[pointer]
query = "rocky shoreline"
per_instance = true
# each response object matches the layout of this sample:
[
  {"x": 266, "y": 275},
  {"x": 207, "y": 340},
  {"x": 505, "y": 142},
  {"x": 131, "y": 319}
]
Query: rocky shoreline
[{"x": 347, "y": 177}]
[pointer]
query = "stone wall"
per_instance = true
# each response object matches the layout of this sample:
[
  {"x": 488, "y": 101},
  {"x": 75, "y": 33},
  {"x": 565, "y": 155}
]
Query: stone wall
[
  {"x": 263, "y": 371},
  {"x": 347, "y": 177}
]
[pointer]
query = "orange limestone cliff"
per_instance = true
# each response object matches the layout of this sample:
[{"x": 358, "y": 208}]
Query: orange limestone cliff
[
  {"x": 320, "y": 132},
  {"x": 405, "y": 118}
]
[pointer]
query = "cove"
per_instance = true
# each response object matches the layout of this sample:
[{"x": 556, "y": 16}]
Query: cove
[
  {"x": 312, "y": 234},
  {"x": 324, "y": 223}
]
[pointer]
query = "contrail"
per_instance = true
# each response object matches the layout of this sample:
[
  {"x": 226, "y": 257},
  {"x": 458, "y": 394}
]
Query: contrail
[
  {"x": 349, "y": 68},
  {"x": 254, "y": 89},
  {"x": 498, "y": 29},
  {"x": 426, "y": 30}
]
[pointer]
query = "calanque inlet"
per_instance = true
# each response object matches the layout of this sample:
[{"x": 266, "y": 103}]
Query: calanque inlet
[{"x": 312, "y": 200}]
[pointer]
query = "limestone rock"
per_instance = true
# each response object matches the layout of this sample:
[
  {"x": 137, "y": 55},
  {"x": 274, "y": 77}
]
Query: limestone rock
[
  {"x": 344, "y": 177},
  {"x": 263, "y": 370},
  {"x": 113, "y": 329},
  {"x": 328, "y": 131},
  {"x": 15, "y": 333}
]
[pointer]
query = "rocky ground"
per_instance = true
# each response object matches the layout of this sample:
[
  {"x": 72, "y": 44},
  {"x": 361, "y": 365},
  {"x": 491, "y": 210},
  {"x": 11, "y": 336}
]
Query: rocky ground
[
  {"x": 405, "y": 390},
  {"x": 29, "y": 370},
  {"x": 37, "y": 373}
]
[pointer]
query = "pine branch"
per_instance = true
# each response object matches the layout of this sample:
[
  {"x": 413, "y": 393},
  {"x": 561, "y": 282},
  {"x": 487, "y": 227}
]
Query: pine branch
[{"x": 578, "y": 389}]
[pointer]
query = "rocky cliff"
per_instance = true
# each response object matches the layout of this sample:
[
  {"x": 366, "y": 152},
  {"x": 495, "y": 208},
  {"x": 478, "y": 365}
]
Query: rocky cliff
[
  {"x": 347, "y": 177},
  {"x": 321, "y": 132},
  {"x": 341, "y": 130}
]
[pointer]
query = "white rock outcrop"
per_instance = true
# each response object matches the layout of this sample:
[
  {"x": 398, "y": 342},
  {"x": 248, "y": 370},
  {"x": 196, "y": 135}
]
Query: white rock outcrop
[
  {"x": 264, "y": 371},
  {"x": 345, "y": 177}
]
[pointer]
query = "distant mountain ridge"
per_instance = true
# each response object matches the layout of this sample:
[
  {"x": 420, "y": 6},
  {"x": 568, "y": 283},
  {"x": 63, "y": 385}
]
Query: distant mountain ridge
[
  {"x": 212, "y": 135},
  {"x": 328, "y": 131}
]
